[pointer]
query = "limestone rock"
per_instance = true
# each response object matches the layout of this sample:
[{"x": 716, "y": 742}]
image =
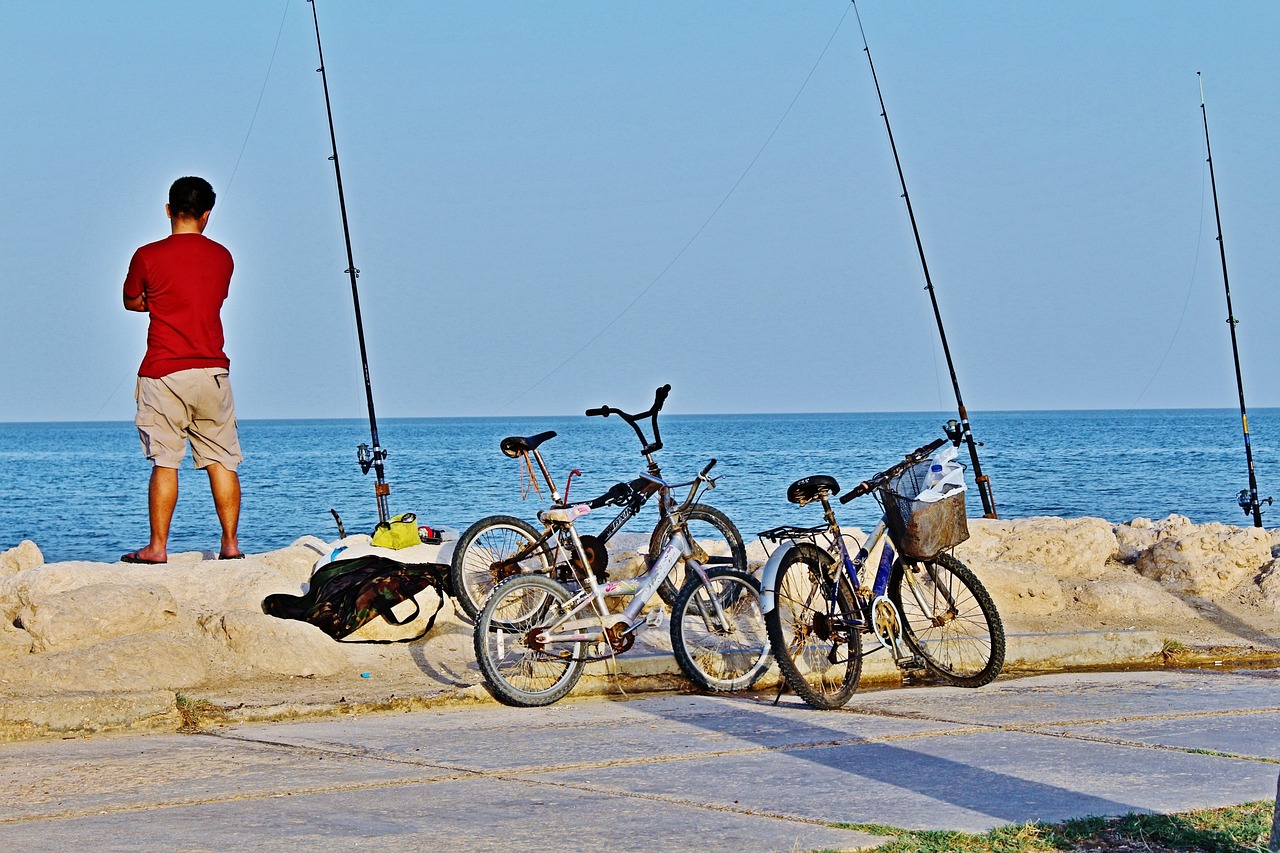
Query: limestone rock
[
  {"x": 14, "y": 640},
  {"x": 1135, "y": 538},
  {"x": 1206, "y": 560},
  {"x": 283, "y": 646},
  {"x": 26, "y": 555},
  {"x": 1133, "y": 598},
  {"x": 1269, "y": 583},
  {"x": 1022, "y": 588},
  {"x": 1067, "y": 547},
  {"x": 136, "y": 662},
  {"x": 90, "y": 614}
]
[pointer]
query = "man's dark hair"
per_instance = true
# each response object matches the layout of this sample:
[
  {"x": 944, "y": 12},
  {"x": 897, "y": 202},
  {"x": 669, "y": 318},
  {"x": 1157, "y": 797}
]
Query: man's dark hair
[{"x": 191, "y": 196}]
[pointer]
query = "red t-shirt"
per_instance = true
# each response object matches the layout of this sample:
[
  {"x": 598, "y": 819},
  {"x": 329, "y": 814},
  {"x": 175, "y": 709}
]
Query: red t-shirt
[{"x": 185, "y": 278}]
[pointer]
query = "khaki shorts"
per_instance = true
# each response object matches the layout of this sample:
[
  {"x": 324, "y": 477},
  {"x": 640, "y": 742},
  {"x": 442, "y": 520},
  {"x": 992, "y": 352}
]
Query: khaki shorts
[{"x": 188, "y": 405}]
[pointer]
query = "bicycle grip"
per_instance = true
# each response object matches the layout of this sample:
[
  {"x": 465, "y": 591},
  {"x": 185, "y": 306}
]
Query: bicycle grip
[
  {"x": 602, "y": 412},
  {"x": 856, "y": 492},
  {"x": 660, "y": 397},
  {"x": 707, "y": 470}
]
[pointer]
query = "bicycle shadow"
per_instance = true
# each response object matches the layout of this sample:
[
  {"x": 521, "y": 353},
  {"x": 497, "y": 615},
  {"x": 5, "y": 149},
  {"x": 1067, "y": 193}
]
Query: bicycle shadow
[{"x": 885, "y": 770}]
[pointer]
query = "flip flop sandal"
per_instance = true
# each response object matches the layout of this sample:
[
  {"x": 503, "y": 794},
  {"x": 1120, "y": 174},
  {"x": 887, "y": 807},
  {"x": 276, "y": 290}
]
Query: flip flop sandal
[{"x": 132, "y": 557}]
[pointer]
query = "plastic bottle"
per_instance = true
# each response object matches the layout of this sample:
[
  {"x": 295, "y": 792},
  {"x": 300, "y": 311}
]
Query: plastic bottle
[{"x": 935, "y": 474}]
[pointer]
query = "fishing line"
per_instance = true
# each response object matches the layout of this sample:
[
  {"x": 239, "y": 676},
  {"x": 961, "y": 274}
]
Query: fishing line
[
  {"x": 696, "y": 234},
  {"x": 265, "y": 80},
  {"x": 234, "y": 169},
  {"x": 1195, "y": 265}
]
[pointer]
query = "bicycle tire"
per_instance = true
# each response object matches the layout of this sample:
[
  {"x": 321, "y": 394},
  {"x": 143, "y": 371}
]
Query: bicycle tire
[
  {"x": 952, "y": 624},
  {"x": 721, "y": 657},
  {"x": 718, "y": 536},
  {"x": 483, "y": 543},
  {"x": 822, "y": 670},
  {"x": 518, "y": 674}
]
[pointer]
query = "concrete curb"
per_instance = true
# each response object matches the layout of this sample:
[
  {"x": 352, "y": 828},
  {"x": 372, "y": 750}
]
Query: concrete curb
[{"x": 82, "y": 714}]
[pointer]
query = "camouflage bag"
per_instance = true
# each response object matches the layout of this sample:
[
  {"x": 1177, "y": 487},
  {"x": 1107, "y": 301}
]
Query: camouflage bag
[{"x": 346, "y": 594}]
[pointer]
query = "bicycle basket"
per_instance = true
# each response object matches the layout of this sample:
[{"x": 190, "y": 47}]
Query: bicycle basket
[{"x": 922, "y": 529}]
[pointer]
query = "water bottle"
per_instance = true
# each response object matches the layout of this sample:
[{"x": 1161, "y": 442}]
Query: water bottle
[{"x": 935, "y": 474}]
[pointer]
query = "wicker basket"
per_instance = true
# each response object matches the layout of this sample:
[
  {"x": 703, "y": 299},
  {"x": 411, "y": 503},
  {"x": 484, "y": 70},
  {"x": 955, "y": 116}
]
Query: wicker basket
[{"x": 922, "y": 530}]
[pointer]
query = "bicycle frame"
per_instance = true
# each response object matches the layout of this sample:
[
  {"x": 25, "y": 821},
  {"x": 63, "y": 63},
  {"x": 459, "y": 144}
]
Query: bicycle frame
[{"x": 616, "y": 628}]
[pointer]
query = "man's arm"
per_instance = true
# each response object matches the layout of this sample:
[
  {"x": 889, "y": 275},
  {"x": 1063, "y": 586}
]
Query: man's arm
[
  {"x": 135, "y": 291},
  {"x": 135, "y": 303}
]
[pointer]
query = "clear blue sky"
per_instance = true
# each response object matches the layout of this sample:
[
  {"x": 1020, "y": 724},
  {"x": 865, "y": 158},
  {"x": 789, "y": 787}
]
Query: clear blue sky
[{"x": 517, "y": 173}]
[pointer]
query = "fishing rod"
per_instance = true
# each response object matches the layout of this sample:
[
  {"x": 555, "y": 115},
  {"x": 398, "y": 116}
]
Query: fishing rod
[
  {"x": 376, "y": 456},
  {"x": 983, "y": 482},
  {"x": 1248, "y": 498}
]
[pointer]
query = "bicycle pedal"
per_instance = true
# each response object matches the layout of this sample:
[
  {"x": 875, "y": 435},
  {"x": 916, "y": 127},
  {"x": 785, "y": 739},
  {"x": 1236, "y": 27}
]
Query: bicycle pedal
[
  {"x": 910, "y": 662},
  {"x": 654, "y": 617}
]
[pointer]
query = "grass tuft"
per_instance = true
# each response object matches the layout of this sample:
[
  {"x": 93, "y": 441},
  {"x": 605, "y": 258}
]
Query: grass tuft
[{"x": 1235, "y": 829}]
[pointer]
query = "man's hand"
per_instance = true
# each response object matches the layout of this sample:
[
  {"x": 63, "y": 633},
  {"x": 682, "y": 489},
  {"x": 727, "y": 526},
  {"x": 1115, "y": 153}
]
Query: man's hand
[{"x": 136, "y": 303}]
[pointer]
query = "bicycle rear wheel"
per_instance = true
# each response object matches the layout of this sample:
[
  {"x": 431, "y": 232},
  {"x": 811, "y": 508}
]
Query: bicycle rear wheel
[
  {"x": 814, "y": 628},
  {"x": 949, "y": 619},
  {"x": 714, "y": 533},
  {"x": 519, "y": 670},
  {"x": 485, "y": 543},
  {"x": 721, "y": 654}
]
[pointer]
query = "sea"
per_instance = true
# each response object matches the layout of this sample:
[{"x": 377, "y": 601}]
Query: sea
[{"x": 79, "y": 490}]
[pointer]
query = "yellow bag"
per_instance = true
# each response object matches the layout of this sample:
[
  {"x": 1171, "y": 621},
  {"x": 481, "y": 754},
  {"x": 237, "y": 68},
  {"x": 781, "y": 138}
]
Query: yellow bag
[{"x": 400, "y": 532}]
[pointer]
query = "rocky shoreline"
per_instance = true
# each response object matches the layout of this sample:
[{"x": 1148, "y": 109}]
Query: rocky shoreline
[{"x": 91, "y": 647}]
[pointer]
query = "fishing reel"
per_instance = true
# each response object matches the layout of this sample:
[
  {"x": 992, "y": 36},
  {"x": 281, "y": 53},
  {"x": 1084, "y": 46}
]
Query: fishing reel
[
  {"x": 368, "y": 458},
  {"x": 1248, "y": 503},
  {"x": 954, "y": 431}
]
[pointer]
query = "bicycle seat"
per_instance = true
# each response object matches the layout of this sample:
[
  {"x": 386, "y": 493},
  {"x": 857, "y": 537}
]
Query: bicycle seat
[
  {"x": 810, "y": 488},
  {"x": 515, "y": 445}
]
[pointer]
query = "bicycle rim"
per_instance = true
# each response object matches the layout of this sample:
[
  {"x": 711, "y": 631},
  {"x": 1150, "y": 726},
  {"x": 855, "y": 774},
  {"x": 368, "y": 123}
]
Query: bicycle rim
[
  {"x": 949, "y": 620},
  {"x": 726, "y": 648},
  {"x": 815, "y": 638},
  {"x": 521, "y": 673},
  {"x": 496, "y": 542}
]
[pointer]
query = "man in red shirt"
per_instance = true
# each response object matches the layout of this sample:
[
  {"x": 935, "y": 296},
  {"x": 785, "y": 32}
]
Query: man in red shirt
[{"x": 184, "y": 388}]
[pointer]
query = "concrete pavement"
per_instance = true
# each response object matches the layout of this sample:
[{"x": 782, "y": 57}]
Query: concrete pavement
[{"x": 671, "y": 772}]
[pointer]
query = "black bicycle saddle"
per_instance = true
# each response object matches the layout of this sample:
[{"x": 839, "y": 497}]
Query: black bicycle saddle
[
  {"x": 808, "y": 489},
  {"x": 515, "y": 445}
]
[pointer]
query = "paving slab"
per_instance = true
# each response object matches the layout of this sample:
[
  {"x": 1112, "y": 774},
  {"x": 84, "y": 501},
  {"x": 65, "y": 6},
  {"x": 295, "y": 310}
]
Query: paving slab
[
  {"x": 586, "y": 732},
  {"x": 1073, "y": 697},
  {"x": 1254, "y": 735},
  {"x": 477, "y": 814},
  {"x": 671, "y": 772}
]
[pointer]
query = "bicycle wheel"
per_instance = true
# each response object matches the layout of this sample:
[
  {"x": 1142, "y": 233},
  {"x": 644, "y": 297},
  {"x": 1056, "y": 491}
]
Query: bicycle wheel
[
  {"x": 948, "y": 619},
  {"x": 714, "y": 533},
  {"x": 484, "y": 543},
  {"x": 518, "y": 670},
  {"x": 814, "y": 628},
  {"x": 721, "y": 654}
]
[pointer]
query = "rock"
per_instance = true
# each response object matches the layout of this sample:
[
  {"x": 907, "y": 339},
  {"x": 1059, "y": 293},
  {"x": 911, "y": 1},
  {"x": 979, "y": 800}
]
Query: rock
[
  {"x": 1023, "y": 588},
  {"x": 14, "y": 640},
  {"x": 1206, "y": 560},
  {"x": 1068, "y": 547},
  {"x": 90, "y": 614},
  {"x": 136, "y": 662},
  {"x": 1132, "y": 598},
  {"x": 1269, "y": 584},
  {"x": 283, "y": 646},
  {"x": 26, "y": 555},
  {"x": 1134, "y": 538}
]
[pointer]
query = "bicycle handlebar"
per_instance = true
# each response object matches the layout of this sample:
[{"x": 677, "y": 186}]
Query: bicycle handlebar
[
  {"x": 879, "y": 480},
  {"x": 707, "y": 470},
  {"x": 659, "y": 397}
]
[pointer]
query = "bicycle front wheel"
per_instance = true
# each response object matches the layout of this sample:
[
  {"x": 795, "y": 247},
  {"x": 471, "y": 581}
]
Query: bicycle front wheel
[
  {"x": 520, "y": 668},
  {"x": 714, "y": 533},
  {"x": 948, "y": 619},
  {"x": 725, "y": 648},
  {"x": 814, "y": 628},
  {"x": 489, "y": 541}
]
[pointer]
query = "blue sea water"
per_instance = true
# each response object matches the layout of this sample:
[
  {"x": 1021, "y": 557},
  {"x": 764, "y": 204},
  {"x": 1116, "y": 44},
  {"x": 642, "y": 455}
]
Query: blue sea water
[{"x": 79, "y": 489}]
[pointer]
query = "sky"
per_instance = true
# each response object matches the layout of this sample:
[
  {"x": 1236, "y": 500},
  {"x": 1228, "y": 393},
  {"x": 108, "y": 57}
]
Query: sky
[{"x": 564, "y": 204}]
